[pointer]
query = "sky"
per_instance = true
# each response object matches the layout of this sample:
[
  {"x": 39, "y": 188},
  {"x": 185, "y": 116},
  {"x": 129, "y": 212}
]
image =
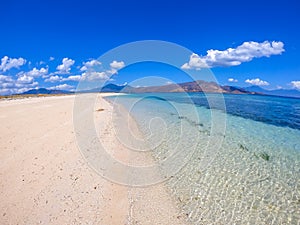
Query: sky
[{"x": 55, "y": 44}]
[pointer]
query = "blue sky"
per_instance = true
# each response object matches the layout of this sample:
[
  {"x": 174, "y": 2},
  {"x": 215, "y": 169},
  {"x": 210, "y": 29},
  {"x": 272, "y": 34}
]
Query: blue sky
[{"x": 47, "y": 43}]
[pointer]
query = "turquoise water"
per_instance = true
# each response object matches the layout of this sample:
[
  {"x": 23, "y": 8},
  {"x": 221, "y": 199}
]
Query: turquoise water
[{"x": 243, "y": 153}]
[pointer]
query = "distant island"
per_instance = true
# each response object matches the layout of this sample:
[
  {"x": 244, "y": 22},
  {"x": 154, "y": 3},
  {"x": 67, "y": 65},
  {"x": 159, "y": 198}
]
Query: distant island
[
  {"x": 199, "y": 86},
  {"x": 195, "y": 86}
]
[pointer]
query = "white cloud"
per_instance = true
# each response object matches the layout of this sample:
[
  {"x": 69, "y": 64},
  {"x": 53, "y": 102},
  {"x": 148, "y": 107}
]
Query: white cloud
[
  {"x": 6, "y": 82},
  {"x": 92, "y": 75},
  {"x": 53, "y": 79},
  {"x": 22, "y": 82},
  {"x": 10, "y": 86},
  {"x": 62, "y": 87},
  {"x": 117, "y": 65},
  {"x": 37, "y": 72},
  {"x": 51, "y": 58},
  {"x": 296, "y": 84},
  {"x": 114, "y": 67},
  {"x": 8, "y": 63},
  {"x": 20, "y": 90},
  {"x": 5, "y": 91},
  {"x": 257, "y": 82},
  {"x": 4, "y": 78},
  {"x": 25, "y": 79},
  {"x": 65, "y": 67},
  {"x": 196, "y": 62},
  {"x": 56, "y": 78},
  {"x": 90, "y": 64},
  {"x": 25, "y": 85},
  {"x": 232, "y": 80},
  {"x": 234, "y": 56},
  {"x": 90, "y": 70},
  {"x": 72, "y": 78}
]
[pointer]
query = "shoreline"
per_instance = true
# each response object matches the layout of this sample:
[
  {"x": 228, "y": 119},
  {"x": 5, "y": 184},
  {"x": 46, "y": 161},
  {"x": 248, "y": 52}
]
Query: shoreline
[{"x": 44, "y": 178}]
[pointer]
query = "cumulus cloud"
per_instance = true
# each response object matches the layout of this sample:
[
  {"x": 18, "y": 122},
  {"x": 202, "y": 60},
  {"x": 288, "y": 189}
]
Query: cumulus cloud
[
  {"x": 117, "y": 65},
  {"x": 4, "y": 78},
  {"x": 93, "y": 75},
  {"x": 234, "y": 56},
  {"x": 37, "y": 72},
  {"x": 6, "y": 82},
  {"x": 72, "y": 78},
  {"x": 22, "y": 86},
  {"x": 114, "y": 67},
  {"x": 56, "y": 78},
  {"x": 196, "y": 62},
  {"x": 91, "y": 72},
  {"x": 90, "y": 64},
  {"x": 8, "y": 85},
  {"x": 232, "y": 80},
  {"x": 51, "y": 58},
  {"x": 296, "y": 84},
  {"x": 65, "y": 67},
  {"x": 25, "y": 79},
  {"x": 53, "y": 79},
  {"x": 62, "y": 87},
  {"x": 8, "y": 63},
  {"x": 257, "y": 82}
]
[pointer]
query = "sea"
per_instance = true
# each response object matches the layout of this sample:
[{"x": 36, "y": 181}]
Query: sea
[{"x": 226, "y": 158}]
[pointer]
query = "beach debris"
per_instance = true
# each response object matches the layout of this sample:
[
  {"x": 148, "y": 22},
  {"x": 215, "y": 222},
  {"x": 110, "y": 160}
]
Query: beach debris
[{"x": 100, "y": 110}]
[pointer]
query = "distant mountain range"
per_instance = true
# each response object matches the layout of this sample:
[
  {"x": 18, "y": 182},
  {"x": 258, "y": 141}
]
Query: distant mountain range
[
  {"x": 45, "y": 91},
  {"x": 195, "y": 86},
  {"x": 202, "y": 86},
  {"x": 278, "y": 92}
]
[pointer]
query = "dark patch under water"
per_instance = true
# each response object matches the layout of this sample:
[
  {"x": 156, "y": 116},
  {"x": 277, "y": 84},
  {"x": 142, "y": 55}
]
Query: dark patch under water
[{"x": 278, "y": 111}]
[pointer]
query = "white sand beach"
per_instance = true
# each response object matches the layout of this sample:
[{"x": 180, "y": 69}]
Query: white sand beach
[{"x": 45, "y": 180}]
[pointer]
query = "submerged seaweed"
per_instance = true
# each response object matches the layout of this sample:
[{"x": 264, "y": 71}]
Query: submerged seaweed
[
  {"x": 264, "y": 156},
  {"x": 243, "y": 147}
]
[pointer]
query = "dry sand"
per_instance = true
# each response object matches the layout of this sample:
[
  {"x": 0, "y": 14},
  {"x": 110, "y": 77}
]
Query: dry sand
[{"x": 44, "y": 178}]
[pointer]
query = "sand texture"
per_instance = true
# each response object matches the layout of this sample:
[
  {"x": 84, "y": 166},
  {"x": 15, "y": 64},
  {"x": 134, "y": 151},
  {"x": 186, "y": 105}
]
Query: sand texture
[{"x": 45, "y": 180}]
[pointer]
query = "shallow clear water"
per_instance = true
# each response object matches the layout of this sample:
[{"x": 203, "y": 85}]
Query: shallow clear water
[{"x": 244, "y": 155}]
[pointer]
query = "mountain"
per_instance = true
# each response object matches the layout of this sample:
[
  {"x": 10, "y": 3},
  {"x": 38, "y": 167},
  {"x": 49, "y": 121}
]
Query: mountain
[
  {"x": 256, "y": 89},
  {"x": 44, "y": 91},
  {"x": 195, "y": 86},
  {"x": 112, "y": 88},
  {"x": 278, "y": 92}
]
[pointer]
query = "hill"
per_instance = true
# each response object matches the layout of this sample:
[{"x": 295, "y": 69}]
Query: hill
[
  {"x": 278, "y": 92},
  {"x": 195, "y": 86},
  {"x": 45, "y": 91}
]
